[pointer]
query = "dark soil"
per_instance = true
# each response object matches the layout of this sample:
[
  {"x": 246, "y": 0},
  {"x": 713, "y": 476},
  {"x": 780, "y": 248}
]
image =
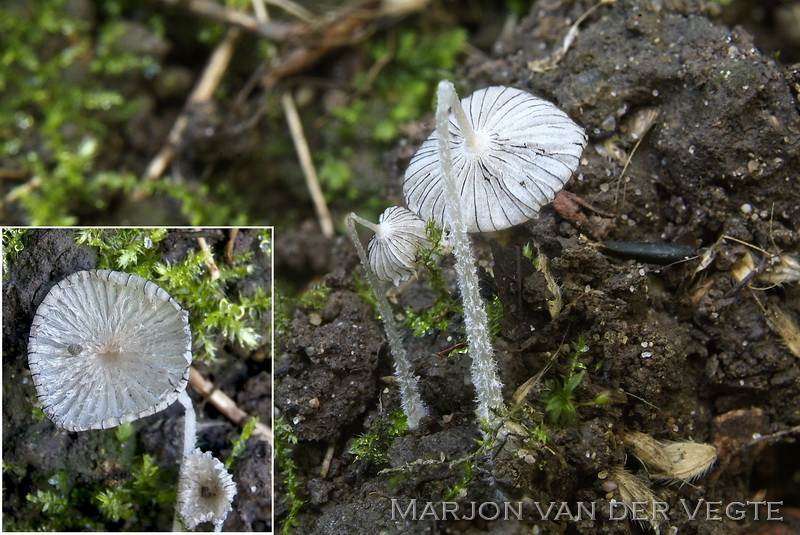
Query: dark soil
[
  {"x": 687, "y": 351},
  {"x": 34, "y": 448}
]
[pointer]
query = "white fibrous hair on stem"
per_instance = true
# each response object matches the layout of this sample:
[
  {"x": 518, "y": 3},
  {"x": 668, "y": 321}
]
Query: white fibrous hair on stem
[
  {"x": 512, "y": 153},
  {"x": 106, "y": 348},
  {"x": 205, "y": 490},
  {"x": 494, "y": 159},
  {"x": 393, "y": 249},
  {"x": 413, "y": 406},
  {"x": 484, "y": 367},
  {"x": 189, "y": 423}
]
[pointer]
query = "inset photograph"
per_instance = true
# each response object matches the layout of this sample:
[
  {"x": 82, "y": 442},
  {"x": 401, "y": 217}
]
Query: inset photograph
[{"x": 137, "y": 379}]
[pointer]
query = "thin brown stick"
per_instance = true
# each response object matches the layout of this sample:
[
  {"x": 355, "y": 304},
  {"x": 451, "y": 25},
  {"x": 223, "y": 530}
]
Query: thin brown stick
[
  {"x": 301, "y": 146},
  {"x": 326, "y": 462},
  {"x": 13, "y": 174},
  {"x": 343, "y": 31},
  {"x": 226, "y": 405},
  {"x": 229, "y": 246},
  {"x": 307, "y": 164},
  {"x": 13, "y": 196},
  {"x": 549, "y": 63},
  {"x": 211, "y": 264},
  {"x": 292, "y": 8},
  {"x": 273, "y": 31},
  {"x": 202, "y": 92}
]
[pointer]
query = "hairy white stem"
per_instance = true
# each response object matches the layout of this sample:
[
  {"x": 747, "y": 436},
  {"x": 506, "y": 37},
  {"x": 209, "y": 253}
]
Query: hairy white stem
[
  {"x": 189, "y": 440},
  {"x": 413, "y": 406},
  {"x": 484, "y": 367},
  {"x": 189, "y": 424},
  {"x": 365, "y": 223}
]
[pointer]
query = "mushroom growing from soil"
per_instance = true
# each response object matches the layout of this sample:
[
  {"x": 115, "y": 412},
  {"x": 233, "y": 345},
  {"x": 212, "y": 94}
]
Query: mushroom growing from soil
[
  {"x": 392, "y": 251},
  {"x": 106, "y": 348},
  {"x": 396, "y": 239},
  {"x": 205, "y": 490},
  {"x": 490, "y": 164}
]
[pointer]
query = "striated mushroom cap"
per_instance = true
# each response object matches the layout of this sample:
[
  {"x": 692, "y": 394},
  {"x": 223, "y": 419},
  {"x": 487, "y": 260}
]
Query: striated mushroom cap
[
  {"x": 107, "y": 348},
  {"x": 205, "y": 490},
  {"x": 393, "y": 249},
  {"x": 524, "y": 150}
]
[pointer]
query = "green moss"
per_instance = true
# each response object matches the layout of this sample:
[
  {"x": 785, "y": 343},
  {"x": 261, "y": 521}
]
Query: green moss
[
  {"x": 438, "y": 315},
  {"x": 216, "y": 313},
  {"x": 14, "y": 241},
  {"x": 65, "y": 505},
  {"x": 559, "y": 398},
  {"x": 416, "y": 59},
  {"x": 64, "y": 84},
  {"x": 238, "y": 443},
  {"x": 285, "y": 440},
  {"x": 372, "y": 447},
  {"x": 316, "y": 297},
  {"x": 54, "y": 111},
  {"x": 131, "y": 250}
]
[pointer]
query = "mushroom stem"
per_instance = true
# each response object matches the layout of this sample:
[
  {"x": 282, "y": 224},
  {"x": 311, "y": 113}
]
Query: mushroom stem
[
  {"x": 189, "y": 424},
  {"x": 448, "y": 96},
  {"x": 484, "y": 367},
  {"x": 413, "y": 406},
  {"x": 366, "y": 223}
]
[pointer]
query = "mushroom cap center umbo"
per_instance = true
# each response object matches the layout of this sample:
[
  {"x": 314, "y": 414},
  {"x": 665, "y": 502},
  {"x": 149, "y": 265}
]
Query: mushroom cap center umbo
[
  {"x": 478, "y": 145},
  {"x": 107, "y": 348}
]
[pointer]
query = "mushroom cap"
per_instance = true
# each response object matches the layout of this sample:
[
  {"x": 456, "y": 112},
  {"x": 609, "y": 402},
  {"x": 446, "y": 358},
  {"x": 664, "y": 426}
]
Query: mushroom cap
[
  {"x": 393, "y": 249},
  {"x": 205, "y": 490},
  {"x": 107, "y": 348},
  {"x": 525, "y": 150}
]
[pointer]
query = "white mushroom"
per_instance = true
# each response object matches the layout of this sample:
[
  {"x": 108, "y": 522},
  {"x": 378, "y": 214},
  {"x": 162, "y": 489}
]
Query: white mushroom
[
  {"x": 486, "y": 169},
  {"x": 392, "y": 250},
  {"x": 413, "y": 406},
  {"x": 512, "y": 152},
  {"x": 205, "y": 490},
  {"x": 107, "y": 348}
]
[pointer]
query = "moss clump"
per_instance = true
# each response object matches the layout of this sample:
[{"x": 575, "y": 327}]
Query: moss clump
[
  {"x": 372, "y": 447},
  {"x": 216, "y": 312},
  {"x": 64, "y": 505},
  {"x": 285, "y": 440}
]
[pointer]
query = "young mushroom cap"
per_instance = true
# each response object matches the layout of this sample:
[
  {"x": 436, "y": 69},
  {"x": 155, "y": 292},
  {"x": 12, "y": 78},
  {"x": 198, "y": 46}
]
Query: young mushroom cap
[
  {"x": 205, "y": 490},
  {"x": 393, "y": 249},
  {"x": 520, "y": 153},
  {"x": 107, "y": 348}
]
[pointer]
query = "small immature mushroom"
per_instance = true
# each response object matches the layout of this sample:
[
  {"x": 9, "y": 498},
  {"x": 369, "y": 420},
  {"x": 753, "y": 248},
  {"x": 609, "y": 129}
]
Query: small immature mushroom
[
  {"x": 107, "y": 348},
  {"x": 413, "y": 406},
  {"x": 392, "y": 250},
  {"x": 205, "y": 490}
]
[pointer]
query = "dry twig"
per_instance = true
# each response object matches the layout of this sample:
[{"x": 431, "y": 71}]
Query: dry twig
[
  {"x": 213, "y": 270},
  {"x": 226, "y": 405},
  {"x": 301, "y": 146},
  {"x": 230, "y": 245},
  {"x": 202, "y": 92},
  {"x": 274, "y": 31},
  {"x": 307, "y": 164}
]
